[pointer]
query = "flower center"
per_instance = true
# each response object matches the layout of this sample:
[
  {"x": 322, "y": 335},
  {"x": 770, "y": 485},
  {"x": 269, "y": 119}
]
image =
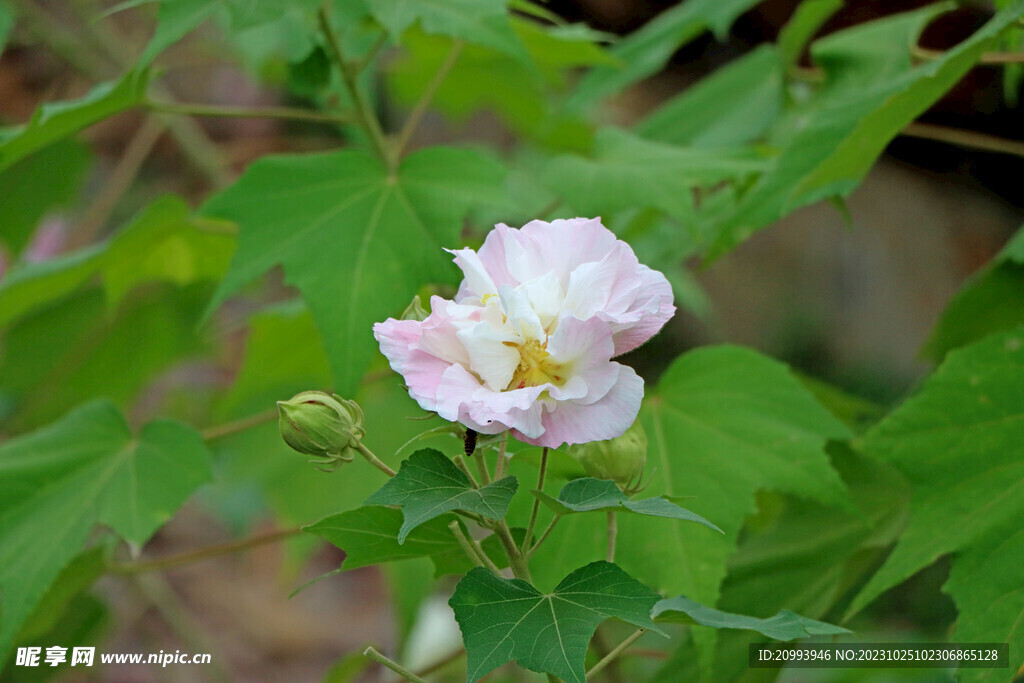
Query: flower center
[{"x": 535, "y": 367}]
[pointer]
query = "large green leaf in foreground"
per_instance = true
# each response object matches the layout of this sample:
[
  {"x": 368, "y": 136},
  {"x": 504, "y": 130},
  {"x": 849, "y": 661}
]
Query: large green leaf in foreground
[
  {"x": 504, "y": 619},
  {"x": 959, "y": 442},
  {"x": 86, "y": 469},
  {"x": 356, "y": 240},
  {"x": 724, "y": 423}
]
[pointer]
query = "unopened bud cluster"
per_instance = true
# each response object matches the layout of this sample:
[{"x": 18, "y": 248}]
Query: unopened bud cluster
[{"x": 322, "y": 425}]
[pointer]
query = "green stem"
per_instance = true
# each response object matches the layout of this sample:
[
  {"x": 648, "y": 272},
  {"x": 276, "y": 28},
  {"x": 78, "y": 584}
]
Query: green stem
[
  {"x": 611, "y": 656},
  {"x": 516, "y": 560},
  {"x": 613, "y": 530},
  {"x": 374, "y": 460},
  {"x": 964, "y": 138},
  {"x": 394, "y": 666},
  {"x": 460, "y": 462},
  {"x": 481, "y": 466},
  {"x": 473, "y": 549},
  {"x": 427, "y": 97},
  {"x": 367, "y": 119},
  {"x": 499, "y": 467},
  {"x": 358, "y": 67},
  {"x": 219, "y": 111},
  {"x": 118, "y": 183},
  {"x": 536, "y": 501},
  {"x": 191, "y": 556},
  {"x": 986, "y": 58},
  {"x": 240, "y": 425},
  {"x": 543, "y": 536}
]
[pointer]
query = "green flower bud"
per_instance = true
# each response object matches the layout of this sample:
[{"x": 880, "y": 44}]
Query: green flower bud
[
  {"x": 621, "y": 459},
  {"x": 415, "y": 310},
  {"x": 322, "y": 425}
]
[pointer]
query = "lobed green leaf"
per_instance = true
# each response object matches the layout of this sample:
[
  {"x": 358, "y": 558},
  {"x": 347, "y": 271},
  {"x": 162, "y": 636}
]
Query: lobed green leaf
[
  {"x": 784, "y": 625},
  {"x": 355, "y": 239},
  {"x": 428, "y": 484},
  {"x": 504, "y": 619},
  {"x": 587, "y": 495},
  {"x": 57, "y": 483},
  {"x": 958, "y": 442}
]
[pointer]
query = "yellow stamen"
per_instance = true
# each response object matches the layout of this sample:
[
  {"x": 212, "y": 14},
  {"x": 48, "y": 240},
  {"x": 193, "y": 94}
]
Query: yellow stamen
[{"x": 536, "y": 367}]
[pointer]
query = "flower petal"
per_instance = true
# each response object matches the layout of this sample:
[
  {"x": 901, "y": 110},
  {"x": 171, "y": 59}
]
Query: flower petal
[{"x": 571, "y": 422}]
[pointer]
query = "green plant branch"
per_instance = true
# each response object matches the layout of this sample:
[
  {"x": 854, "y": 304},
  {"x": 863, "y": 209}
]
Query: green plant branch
[
  {"x": 376, "y": 656},
  {"x": 964, "y": 138},
  {"x": 229, "y": 548},
  {"x": 169, "y": 605},
  {"x": 220, "y": 111},
  {"x": 516, "y": 560},
  {"x": 613, "y": 531},
  {"x": 240, "y": 425},
  {"x": 987, "y": 58},
  {"x": 420, "y": 108},
  {"x": 481, "y": 466},
  {"x": 366, "y": 59},
  {"x": 366, "y": 117},
  {"x": 119, "y": 182},
  {"x": 543, "y": 536},
  {"x": 501, "y": 464},
  {"x": 473, "y": 549},
  {"x": 536, "y": 502},
  {"x": 374, "y": 460},
  {"x": 460, "y": 462},
  {"x": 619, "y": 649},
  {"x": 106, "y": 63},
  {"x": 443, "y": 662}
]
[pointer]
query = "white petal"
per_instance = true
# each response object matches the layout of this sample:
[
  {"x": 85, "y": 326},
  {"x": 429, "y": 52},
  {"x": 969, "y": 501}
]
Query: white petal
[{"x": 489, "y": 356}]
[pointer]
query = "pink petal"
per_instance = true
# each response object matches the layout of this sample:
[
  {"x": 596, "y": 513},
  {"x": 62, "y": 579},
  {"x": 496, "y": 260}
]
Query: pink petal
[{"x": 571, "y": 422}]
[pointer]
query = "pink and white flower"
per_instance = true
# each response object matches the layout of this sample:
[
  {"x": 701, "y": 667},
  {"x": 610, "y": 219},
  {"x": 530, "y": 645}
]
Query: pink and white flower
[{"x": 528, "y": 343}]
